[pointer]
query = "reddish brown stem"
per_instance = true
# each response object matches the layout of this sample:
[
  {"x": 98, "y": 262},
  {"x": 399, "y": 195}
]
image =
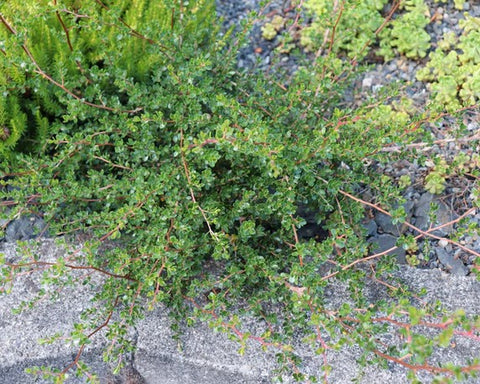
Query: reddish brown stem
[
  {"x": 334, "y": 29},
  {"x": 65, "y": 29},
  {"x": 80, "y": 351},
  {"x": 71, "y": 266},
  {"x": 425, "y": 367}
]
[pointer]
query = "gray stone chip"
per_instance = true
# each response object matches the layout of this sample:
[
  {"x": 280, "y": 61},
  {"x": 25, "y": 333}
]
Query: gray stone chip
[
  {"x": 25, "y": 228},
  {"x": 452, "y": 263}
]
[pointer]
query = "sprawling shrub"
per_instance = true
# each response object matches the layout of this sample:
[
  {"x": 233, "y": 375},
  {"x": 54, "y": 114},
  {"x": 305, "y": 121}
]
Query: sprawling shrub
[{"x": 146, "y": 136}]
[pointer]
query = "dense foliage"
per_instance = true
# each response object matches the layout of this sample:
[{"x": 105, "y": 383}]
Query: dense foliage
[
  {"x": 88, "y": 52},
  {"x": 131, "y": 124}
]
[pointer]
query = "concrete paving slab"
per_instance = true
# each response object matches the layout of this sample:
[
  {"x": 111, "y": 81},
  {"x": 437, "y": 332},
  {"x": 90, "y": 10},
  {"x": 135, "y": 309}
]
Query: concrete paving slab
[{"x": 201, "y": 356}]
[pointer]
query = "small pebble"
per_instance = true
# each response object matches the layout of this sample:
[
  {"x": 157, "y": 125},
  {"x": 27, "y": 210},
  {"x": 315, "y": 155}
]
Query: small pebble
[
  {"x": 367, "y": 82},
  {"x": 443, "y": 243}
]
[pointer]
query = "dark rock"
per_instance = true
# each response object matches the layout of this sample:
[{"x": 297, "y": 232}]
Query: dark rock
[
  {"x": 371, "y": 228},
  {"x": 385, "y": 224},
  {"x": 452, "y": 263},
  {"x": 3, "y": 223},
  {"x": 384, "y": 242},
  {"x": 443, "y": 215},
  {"x": 25, "y": 228},
  {"x": 311, "y": 229},
  {"x": 422, "y": 206}
]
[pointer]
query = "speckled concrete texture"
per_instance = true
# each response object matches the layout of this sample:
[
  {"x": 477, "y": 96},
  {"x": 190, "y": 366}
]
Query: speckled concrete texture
[{"x": 200, "y": 355}]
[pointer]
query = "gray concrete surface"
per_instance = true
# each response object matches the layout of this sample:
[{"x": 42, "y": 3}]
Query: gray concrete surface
[{"x": 200, "y": 356}]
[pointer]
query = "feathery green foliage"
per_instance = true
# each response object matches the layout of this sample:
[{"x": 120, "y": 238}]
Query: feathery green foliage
[{"x": 86, "y": 48}]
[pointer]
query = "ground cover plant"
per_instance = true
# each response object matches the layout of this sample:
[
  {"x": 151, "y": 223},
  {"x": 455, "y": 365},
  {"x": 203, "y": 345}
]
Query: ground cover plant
[
  {"x": 458, "y": 83},
  {"x": 363, "y": 23},
  {"x": 130, "y": 124}
]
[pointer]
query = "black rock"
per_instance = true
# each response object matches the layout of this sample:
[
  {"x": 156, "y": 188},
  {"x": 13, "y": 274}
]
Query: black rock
[
  {"x": 453, "y": 264},
  {"x": 25, "y": 228},
  {"x": 386, "y": 241},
  {"x": 443, "y": 215},
  {"x": 386, "y": 225}
]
